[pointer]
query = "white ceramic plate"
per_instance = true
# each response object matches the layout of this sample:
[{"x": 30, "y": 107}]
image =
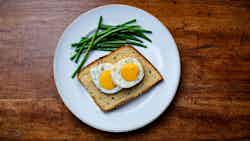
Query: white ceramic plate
[{"x": 162, "y": 53}]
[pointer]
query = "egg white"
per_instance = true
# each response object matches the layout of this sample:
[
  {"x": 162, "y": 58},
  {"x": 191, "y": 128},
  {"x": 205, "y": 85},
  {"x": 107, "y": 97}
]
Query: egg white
[
  {"x": 95, "y": 74},
  {"x": 117, "y": 77}
]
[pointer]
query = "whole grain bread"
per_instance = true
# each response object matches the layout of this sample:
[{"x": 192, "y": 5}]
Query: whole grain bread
[{"x": 108, "y": 102}]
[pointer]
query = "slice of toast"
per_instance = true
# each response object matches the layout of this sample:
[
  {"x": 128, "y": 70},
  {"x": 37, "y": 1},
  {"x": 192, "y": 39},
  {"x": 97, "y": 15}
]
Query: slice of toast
[{"x": 108, "y": 102}]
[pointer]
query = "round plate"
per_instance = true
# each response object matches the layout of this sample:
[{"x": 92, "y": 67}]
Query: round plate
[{"x": 162, "y": 53}]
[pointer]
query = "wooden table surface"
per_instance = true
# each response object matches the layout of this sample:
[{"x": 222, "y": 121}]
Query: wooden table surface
[{"x": 213, "y": 99}]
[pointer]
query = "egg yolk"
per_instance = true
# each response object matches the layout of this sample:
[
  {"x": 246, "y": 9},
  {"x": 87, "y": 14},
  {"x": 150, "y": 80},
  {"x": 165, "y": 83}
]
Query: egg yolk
[
  {"x": 129, "y": 71},
  {"x": 106, "y": 81}
]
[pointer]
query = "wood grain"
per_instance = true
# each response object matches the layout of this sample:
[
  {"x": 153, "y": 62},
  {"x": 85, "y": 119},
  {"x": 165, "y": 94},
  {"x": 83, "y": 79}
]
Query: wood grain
[{"x": 213, "y": 99}]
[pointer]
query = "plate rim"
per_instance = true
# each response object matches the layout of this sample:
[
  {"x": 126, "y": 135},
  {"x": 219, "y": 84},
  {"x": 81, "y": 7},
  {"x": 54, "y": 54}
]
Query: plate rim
[{"x": 95, "y": 125}]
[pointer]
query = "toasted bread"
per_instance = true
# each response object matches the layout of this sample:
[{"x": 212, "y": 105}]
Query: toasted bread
[{"x": 108, "y": 102}]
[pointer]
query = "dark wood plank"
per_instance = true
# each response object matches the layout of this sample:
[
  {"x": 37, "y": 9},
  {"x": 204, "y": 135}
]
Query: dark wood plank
[{"x": 213, "y": 99}]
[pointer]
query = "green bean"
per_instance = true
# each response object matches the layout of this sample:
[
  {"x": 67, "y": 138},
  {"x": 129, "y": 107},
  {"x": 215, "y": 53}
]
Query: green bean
[
  {"x": 109, "y": 33},
  {"x": 128, "y": 37},
  {"x": 106, "y": 45},
  {"x": 137, "y": 44},
  {"x": 126, "y": 42},
  {"x": 140, "y": 30},
  {"x": 105, "y": 26},
  {"x": 88, "y": 49},
  {"x": 129, "y": 22},
  {"x": 83, "y": 40},
  {"x": 105, "y": 49},
  {"x": 79, "y": 52},
  {"x": 142, "y": 36},
  {"x": 73, "y": 56}
]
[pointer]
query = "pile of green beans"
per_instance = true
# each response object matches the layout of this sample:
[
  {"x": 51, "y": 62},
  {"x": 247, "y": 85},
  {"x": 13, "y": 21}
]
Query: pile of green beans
[{"x": 108, "y": 38}]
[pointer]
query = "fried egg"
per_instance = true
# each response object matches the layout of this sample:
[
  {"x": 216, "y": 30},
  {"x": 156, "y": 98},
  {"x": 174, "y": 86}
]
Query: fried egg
[
  {"x": 101, "y": 76},
  {"x": 127, "y": 72}
]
